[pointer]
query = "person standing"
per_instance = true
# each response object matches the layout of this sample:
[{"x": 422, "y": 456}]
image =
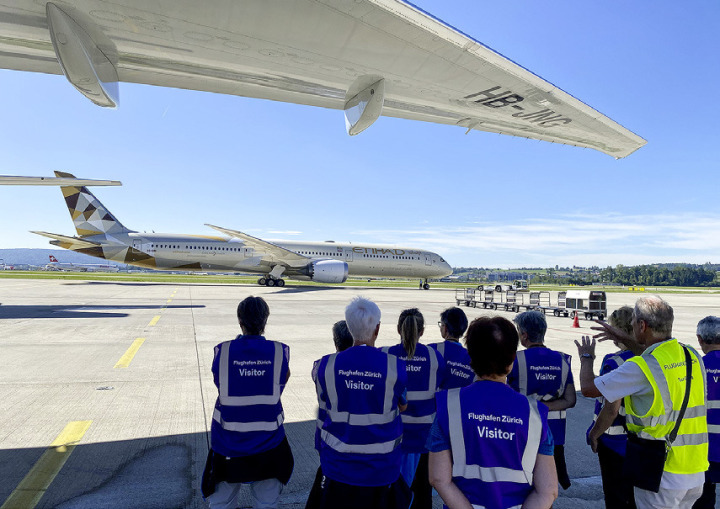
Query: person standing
[
  {"x": 545, "y": 374},
  {"x": 425, "y": 368},
  {"x": 490, "y": 446},
  {"x": 607, "y": 435},
  {"x": 342, "y": 340},
  {"x": 248, "y": 442},
  {"x": 667, "y": 450},
  {"x": 708, "y": 335},
  {"x": 363, "y": 391},
  {"x": 458, "y": 372}
]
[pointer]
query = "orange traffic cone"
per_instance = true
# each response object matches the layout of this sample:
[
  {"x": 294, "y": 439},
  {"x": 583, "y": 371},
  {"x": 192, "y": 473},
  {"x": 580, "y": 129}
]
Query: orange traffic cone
[{"x": 576, "y": 322}]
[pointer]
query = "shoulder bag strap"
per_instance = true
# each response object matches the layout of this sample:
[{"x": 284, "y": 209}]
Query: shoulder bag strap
[{"x": 688, "y": 363}]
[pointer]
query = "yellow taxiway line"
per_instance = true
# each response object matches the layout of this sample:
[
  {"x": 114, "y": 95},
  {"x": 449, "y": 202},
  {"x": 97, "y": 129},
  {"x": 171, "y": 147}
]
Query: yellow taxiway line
[
  {"x": 33, "y": 486},
  {"x": 127, "y": 357},
  {"x": 155, "y": 320}
]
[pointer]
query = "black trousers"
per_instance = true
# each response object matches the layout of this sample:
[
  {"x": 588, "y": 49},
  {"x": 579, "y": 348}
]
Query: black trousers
[
  {"x": 328, "y": 494},
  {"x": 421, "y": 488},
  {"x": 561, "y": 467},
  {"x": 618, "y": 492}
]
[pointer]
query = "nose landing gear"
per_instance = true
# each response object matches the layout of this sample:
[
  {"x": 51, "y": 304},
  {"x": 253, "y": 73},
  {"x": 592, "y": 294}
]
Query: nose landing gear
[{"x": 424, "y": 285}]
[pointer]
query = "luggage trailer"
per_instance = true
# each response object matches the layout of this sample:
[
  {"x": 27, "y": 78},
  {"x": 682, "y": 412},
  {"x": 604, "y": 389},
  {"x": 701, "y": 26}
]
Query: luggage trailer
[{"x": 588, "y": 304}]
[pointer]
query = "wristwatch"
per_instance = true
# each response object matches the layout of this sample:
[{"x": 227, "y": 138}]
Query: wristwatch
[{"x": 587, "y": 356}]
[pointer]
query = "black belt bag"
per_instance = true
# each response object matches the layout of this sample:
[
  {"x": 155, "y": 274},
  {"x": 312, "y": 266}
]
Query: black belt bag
[
  {"x": 644, "y": 462},
  {"x": 645, "y": 459}
]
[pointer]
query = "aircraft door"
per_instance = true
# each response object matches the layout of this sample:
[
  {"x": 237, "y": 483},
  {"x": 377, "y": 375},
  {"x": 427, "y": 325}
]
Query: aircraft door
[
  {"x": 247, "y": 252},
  {"x": 428, "y": 259},
  {"x": 348, "y": 254},
  {"x": 137, "y": 245}
]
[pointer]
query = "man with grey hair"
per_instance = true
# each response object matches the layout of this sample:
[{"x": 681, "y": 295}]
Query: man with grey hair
[
  {"x": 655, "y": 387},
  {"x": 546, "y": 375},
  {"x": 708, "y": 335},
  {"x": 363, "y": 391}
]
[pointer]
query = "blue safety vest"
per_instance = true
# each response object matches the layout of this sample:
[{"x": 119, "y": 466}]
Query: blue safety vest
[
  {"x": 712, "y": 370},
  {"x": 424, "y": 376},
  {"x": 615, "y": 438},
  {"x": 458, "y": 372},
  {"x": 322, "y": 412},
  {"x": 250, "y": 374},
  {"x": 495, "y": 434},
  {"x": 361, "y": 388},
  {"x": 543, "y": 374}
]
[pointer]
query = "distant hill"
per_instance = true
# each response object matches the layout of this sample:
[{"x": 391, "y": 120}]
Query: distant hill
[{"x": 41, "y": 257}]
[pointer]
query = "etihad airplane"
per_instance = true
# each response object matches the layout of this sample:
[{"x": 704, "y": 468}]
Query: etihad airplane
[
  {"x": 80, "y": 267},
  {"x": 366, "y": 57},
  {"x": 100, "y": 234}
]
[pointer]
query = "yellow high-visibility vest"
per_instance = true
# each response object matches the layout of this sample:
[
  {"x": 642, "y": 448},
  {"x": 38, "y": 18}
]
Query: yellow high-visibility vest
[{"x": 664, "y": 366}]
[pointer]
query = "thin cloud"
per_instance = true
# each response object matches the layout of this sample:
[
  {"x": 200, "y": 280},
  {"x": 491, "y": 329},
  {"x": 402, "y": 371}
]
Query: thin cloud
[{"x": 579, "y": 239}]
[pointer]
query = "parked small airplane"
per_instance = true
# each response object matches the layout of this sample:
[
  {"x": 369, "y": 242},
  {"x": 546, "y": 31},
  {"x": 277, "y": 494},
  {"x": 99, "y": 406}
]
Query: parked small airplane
[
  {"x": 100, "y": 234},
  {"x": 80, "y": 267}
]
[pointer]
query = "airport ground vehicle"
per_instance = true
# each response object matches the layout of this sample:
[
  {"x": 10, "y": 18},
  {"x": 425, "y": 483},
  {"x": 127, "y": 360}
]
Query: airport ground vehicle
[
  {"x": 518, "y": 284},
  {"x": 588, "y": 304}
]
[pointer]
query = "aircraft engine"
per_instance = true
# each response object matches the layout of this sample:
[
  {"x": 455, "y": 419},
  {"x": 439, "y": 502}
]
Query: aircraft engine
[{"x": 327, "y": 271}]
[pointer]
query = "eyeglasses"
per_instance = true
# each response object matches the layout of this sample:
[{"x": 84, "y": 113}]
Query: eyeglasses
[{"x": 440, "y": 324}]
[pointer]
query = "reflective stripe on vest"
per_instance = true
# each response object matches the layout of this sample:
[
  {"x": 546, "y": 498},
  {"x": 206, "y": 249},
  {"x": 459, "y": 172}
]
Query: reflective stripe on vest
[
  {"x": 388, "y": 414},
  {"x": 441, "y": 348},
  {"x": 491, "y": 474},
  {"x": 249, "y": 426},
  {"x": 523, "y": 378},
  {"x": 713, "y": 404},
  {"x": 224, "y": 374},
  {"x": 340, "y": 446},
  {"x": 387, "y": 417},
  {"x": 432, "y": 384},
  {"x": 475, "y": 506}
]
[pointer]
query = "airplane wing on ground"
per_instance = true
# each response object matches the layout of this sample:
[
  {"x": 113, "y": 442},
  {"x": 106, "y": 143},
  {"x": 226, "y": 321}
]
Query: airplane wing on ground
[
  {"x": 11, "y": 180},
  {"x": 368, "y": 57},
  {"x": 66, "y": 242},
  {"x": 272, "y": 252}
]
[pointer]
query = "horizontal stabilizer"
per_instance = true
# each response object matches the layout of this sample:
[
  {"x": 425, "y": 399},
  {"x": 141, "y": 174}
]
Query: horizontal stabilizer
[
  {"x": 273, "y": 252},
  {"x": 12, "y": 180},
  {"x": 72, "y": 243}
]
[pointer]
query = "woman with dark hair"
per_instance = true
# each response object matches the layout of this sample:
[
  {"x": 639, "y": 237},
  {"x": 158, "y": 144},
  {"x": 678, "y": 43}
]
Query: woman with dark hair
[
  {"x": 453, "y": 324},
  {"x": 425, "y": 368},
  {"x": 248, "y": 439},
  {"x": 489, "y": 445}
]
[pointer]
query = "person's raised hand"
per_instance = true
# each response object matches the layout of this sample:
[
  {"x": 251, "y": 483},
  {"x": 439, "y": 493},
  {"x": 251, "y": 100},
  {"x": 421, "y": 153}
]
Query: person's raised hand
[{"x": 586, "y": 346}]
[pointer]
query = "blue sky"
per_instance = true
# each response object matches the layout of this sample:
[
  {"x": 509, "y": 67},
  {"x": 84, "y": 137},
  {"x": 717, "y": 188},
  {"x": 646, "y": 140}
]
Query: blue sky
[{"x": 279, "y": 170}]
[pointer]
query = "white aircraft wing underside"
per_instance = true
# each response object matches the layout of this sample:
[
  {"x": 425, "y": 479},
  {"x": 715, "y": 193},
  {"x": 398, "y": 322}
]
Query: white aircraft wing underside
[
  {"x": 271, "y": 253},
  {"x": 310, "y": 52},
  {"x": 12, "y": 180}
]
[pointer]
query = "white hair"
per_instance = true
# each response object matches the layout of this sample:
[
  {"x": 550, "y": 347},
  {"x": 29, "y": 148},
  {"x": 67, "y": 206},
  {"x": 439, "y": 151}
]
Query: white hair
[
  {"x": 709, "y": 330},
  {"x": 656, "y": 313},
  {"x": 362, "y": 317}
]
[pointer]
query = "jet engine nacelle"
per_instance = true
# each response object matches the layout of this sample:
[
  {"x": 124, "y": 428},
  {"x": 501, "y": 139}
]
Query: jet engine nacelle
[{"x": 327, "y": 271}]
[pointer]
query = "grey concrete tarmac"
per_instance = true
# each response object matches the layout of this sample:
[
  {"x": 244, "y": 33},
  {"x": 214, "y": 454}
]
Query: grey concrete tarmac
[{"x": 147, "y": 443}]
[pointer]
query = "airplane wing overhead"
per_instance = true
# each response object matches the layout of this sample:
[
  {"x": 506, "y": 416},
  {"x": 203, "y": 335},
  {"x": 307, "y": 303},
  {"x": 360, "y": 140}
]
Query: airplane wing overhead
[
  {"x": 368, "y": 57},
  {"x": 273, "y": 252},
  {"x": 11, "y": 180}
]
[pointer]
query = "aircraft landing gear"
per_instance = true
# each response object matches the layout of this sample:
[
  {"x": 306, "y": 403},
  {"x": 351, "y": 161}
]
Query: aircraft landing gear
[
  {"x": 271, "y": 281},
  {"x": 424, "y": 285}
]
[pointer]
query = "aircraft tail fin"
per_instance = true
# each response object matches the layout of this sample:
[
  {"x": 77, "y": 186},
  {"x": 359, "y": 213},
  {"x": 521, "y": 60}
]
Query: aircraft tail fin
[
  {"x": 53, "y": 259},
  {"x": 88, "y": 214}
]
